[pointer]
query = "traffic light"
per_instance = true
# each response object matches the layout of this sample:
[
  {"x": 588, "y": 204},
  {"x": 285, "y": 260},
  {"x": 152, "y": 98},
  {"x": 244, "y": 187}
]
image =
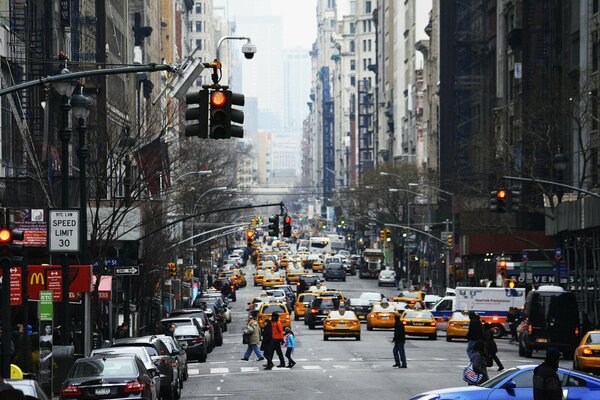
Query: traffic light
[
  {"x": 382, "y": 235},
  {"x": 287, "y": 226},
  {"x": 274, "y": 226},
  {"x": 249, "y": 237},
  {"x": 5, "y": 250},
  {"x": 502, "y": 268},
  {"x": 450, "y": 240},
  {"x": 17, "y": 250},
  {"x": 172, "y": 269},
  {"x": 515, "y": 200},
  {"x": 199, "y": 114},
  {"x": 223, "y": 117},
  {"x": 388, "y": 236},
  {"x": 499, "y": 200}
]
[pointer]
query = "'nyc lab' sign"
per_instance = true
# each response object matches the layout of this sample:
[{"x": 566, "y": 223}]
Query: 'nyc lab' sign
[{"x": 63, "y": 231}]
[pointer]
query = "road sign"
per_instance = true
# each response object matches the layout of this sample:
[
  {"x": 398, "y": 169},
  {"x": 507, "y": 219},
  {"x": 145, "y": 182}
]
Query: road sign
[
  {"x": 133, "y": 270},
  {"x": 16, "y": 286},
  {"x": 63, "y": 231}
]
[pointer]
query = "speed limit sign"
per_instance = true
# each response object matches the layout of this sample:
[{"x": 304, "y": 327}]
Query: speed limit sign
[{"x": 63, "y": 231}]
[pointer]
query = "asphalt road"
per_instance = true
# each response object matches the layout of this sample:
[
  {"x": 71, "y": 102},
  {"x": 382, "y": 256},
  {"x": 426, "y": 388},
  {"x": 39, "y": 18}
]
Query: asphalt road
[{"x": 339, "y": 368}]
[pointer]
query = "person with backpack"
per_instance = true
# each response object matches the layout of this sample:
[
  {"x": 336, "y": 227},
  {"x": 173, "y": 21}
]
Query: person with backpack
[
  {"x": 546, "y": 384},
  {"x": 289, "y": 342}
]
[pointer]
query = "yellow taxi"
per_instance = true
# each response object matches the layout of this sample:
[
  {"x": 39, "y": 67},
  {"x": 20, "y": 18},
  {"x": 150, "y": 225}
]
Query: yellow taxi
[
  {"x": 382, "y": 315},
  {"x": 341, "y": 323},
  {"x": 283, "y": 263},
  {"x": 302, "y": 304},
  {"x": 267, "y": 265},
  {"x": 235, "y": 275},
  {"x": 317, "y": 266},
  {"x": 267, "y": 309},
  {"x": 587, "y": 355},
  {"x": 258, "y": 276},
  {"x": 410, "y": 297},
  {"x": 272, "y": 279},
  {"x": 419, "y": 323},
  {"x": 458, "y": 326}
]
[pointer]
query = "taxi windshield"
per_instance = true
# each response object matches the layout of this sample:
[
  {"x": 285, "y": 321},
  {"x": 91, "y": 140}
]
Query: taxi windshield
[
  {"x": 339, "y": 315},
  {"x": 380, "y": 308},
  {"x": 271, "y": 308},
  {"x": 594, "y": 338},
  {"x": 409, "y": 295},
  {"x": 416, "y": 314},
  {"x": 307, "y": 298}
]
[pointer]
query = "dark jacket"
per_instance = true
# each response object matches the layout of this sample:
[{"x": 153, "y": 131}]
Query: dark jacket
[
  {"x": 490, "y": 343},
  {"x": 480, "y": 366},
  {"x": 267, "y": 338},
  {"x": 475, "y": 330},
  {"x": 546, "y": 385},
  {"x": 399, "y": 334}
]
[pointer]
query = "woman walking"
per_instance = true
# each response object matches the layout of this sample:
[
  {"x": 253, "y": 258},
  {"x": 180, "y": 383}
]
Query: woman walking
[
  {"x": 253, "y": 332},
  {"x": 490, "y": 346},
  {"x": 478, "y": 361},
  {"x": 267, "y": 343},
  {"x": 290, "y": 344},
  {"x": 278, "y": 338}
]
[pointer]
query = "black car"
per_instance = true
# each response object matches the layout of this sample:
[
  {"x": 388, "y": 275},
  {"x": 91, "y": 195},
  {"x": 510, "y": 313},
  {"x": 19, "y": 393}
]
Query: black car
[
  {"x": 319, "y": 308},
  {"x": 350, "y": 266},
  {"x": 207, "y": 326},
  {"x": 108, "y": 376},
  {"x": 141, "y": 352},
  {"x": 289, "y": 294},
  {"x": 179, "y": 353},
  {"x": 305, "y": 282},
  {"x": 190, "y": 335},
  {"x": 334, "y": 271},
  {"x": 170, "y": 385},
  {"x": 215, "y": 308},
  {"x": 361, "y": 307}
]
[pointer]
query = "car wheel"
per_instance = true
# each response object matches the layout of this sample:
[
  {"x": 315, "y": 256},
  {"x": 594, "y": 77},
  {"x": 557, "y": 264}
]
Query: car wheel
[
  {"x": 305, "y": 321},
  {"x": 224, "y": 329},
  {"x": 311, "y": 326},
  {"x": 219, "y": 340},
  {"x": 168, "y": 394},
  {"x": 575, "y": 366},
  {"x": 325, "y": 337},
  {"x": 177, "y": 391},
  {"x": 203, "y": 356},
  {"x": 433, "y": 337},
  {"x": 369, "y": 328},
  {"x": 358, "y": 338},
  {"x": 528, "y": 351},
  {"x": 180, "y": 386},
  {"x": 448, "y": 338}
]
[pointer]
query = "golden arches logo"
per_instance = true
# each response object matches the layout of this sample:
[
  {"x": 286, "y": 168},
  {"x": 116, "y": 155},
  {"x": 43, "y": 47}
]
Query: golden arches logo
[{"x": 37, "y": 278}]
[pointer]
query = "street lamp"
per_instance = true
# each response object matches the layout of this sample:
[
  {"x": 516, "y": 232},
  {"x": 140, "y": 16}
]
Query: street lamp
[
  {"x": 201, "y": 173},
  {"x": 65, "y": 89},
  {"x": 81, "y": 111},
  {"x": 431, "y": 187}
]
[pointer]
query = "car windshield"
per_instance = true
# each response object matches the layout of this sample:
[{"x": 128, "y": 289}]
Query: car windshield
[
  {"x": 409, "y": 295},
  {"x": 460, "y": 316},
  {"x": 339, "y": 315},
  {"x": 419, "y": 315},
  {"x": 360, "y": 302},
  {"x": 138, "y": 351},
  {"x": 186, "y": 330},
  {"x": 328, "y": 303},
  {"x": 276, "y": 293},
  {"x": 594, "y": 338},
  {"x": 104, "y": 367},
  {"x": 271, "y": 308},
  {"x": 307, "y": 298},
  {"x": 498, "y": 378},
  {"x": 380, "y": 308}
]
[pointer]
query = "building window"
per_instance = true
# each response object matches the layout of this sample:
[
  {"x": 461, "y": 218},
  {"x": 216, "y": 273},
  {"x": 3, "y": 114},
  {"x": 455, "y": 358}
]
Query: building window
[
  {"x": 364, "y": 64},
  {"x": 364, "y": 25},
  {"x": 190, "y": 26},
  {"x": 364, "y": 45},
  {"x": 353, "y": 81},
  {"x": 198, "y": 8},
  {"x": 369, "y": 25},
  {"x": 198, "y": 26},
  {"x": 352, "y": 27},
  {"x": 199, "y": 44},
  {"x": 330, "y": 4},
  {"x": 352, "y": 50},
  {"x": 369, "y": 44},
  {"x": 368, "y": 7},
  {"x": 352, "y": 65}
]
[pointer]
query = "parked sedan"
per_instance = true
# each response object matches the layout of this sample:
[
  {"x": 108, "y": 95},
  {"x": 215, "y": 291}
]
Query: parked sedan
[
  {"x": 192, "y": 340},
  {"x": 517, "y": 383},
  {"x": 138, "y": 351},
  {"x": 108, "y": 376}
]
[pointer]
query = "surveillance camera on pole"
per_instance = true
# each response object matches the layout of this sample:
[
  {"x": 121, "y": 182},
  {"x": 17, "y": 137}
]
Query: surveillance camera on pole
[{"x": 249, "y": 50}]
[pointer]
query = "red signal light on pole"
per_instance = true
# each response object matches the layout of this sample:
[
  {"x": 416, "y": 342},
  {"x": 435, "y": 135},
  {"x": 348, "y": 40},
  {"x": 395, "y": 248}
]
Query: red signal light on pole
[
  {"x": 250, "y": 234},
  {"x": 218, "y": 99},
  {"x": 501, "y": 194}
]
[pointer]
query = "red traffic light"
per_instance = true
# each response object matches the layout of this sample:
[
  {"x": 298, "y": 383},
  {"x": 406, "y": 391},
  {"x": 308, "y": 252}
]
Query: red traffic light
[
  {"x": 288, "y": 220},
  {"x": 501, "y": 194},
  {"x": 250, "y": 234},
  {"x": 218, "y": 99},
  {"x": 5, "y": 235}
]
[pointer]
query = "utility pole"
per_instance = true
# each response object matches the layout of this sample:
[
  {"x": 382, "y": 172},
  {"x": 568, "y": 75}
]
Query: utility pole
[{"x": 447, "y": 222}]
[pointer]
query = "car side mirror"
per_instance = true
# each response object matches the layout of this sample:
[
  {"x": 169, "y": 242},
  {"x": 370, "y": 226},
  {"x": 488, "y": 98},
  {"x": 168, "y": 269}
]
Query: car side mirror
[
  {"x": 510, "y": 385},
  {"x": 154, "y": 373}
]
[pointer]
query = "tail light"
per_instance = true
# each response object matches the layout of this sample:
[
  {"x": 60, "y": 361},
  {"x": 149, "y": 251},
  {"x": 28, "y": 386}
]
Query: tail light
[
  {"x": 451, "y": 323},
  {"x": 134, "y": 387},
  {"x": 529, "y": 329},
  {"x": 329, "y": 323},
  {"x": 71, "y": 391},
  {"x": 432, "y": 323},
  {"x": 587, "y": 351},
  {"x": 163, "y": 360},
  {"x": 576, "y": 331},
  {"x": 354, "y": 323},
  {"x": 199, "y": 339},
  {"x": 314, "y": 311}
]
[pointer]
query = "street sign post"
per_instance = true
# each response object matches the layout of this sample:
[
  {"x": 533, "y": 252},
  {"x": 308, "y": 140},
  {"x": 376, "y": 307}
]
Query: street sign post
[
  {"x": 63, "y": 231},
  {"x": 131, "y": 270}
]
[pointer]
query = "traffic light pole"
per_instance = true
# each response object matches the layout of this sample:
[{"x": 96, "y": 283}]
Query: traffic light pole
[
  {"x": 447, "y": 222},
  {"x": 6, "y": 318}
]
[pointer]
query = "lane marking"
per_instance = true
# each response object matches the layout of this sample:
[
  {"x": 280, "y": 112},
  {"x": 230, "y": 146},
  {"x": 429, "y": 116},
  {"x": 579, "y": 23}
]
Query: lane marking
[
  {"x": 311, "y": 367},
  {"x": 341, "y": 366},
  {"x": 249, "y": 369},
  {"x": 219, "y": 370}
]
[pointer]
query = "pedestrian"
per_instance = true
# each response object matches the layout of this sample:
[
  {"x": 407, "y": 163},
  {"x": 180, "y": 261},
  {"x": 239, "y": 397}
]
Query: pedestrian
[
  {"x": 171, "y": 331},
  {"x": 478, "y": 361},
  {"x": 546, "y": 385},
  {"x": 278, "y": 338},
  {"x": 122, "y": 331},
  {"x": 475, "y": 332},
  {"x": 511, "y": 318},
  {"x": 253, "y": 332},
  {"x": 267, "y": 343},
  {"x": 490, "y": 346},
  {"x": 290, "y": 344},
  {"x": 399, "y": 340}
]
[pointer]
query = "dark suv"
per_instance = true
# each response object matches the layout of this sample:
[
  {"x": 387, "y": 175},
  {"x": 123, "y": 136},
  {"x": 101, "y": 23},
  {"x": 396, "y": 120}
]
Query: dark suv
[
  {"x": 190, "y": 335},
  {"x": 319, "y": 308},
  {"x": 170, "y": 384},
  {"x": 334, "y": 271}
]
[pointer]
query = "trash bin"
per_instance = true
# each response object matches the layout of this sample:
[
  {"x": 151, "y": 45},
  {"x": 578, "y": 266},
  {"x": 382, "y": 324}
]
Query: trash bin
[{"x": 63, "y": 358}]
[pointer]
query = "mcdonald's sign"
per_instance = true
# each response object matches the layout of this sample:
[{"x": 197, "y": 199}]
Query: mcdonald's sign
[
  {"x": 37, "y": 278},
  {"x": 49, "y": 277}
]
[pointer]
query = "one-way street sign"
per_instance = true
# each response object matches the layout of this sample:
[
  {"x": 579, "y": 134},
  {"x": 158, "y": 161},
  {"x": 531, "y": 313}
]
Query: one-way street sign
[{"x": 132, "y": 270}]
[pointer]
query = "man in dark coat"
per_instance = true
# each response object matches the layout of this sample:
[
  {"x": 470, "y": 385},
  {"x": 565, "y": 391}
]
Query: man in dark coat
[
  {"x": 399, "y": 340},
  {"x": 267, "y": 343},
  {"x": 546, "y": 385},
  {"x": 490, "y": 346},
  {"x": 475, "y": 332}
]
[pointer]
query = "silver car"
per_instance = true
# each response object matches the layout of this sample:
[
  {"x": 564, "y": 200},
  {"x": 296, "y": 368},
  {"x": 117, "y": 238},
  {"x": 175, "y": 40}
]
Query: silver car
[{"x": 386, "y": 277}]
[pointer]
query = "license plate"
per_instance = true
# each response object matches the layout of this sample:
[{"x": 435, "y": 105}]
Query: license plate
[
  {"x": 385, "y": 317},
  {"x": 541, "y": 340},
  {"x": 341, "y": 324},
  {"x": 102, "y": 391},
  {"x": 418, "y": 323}
]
